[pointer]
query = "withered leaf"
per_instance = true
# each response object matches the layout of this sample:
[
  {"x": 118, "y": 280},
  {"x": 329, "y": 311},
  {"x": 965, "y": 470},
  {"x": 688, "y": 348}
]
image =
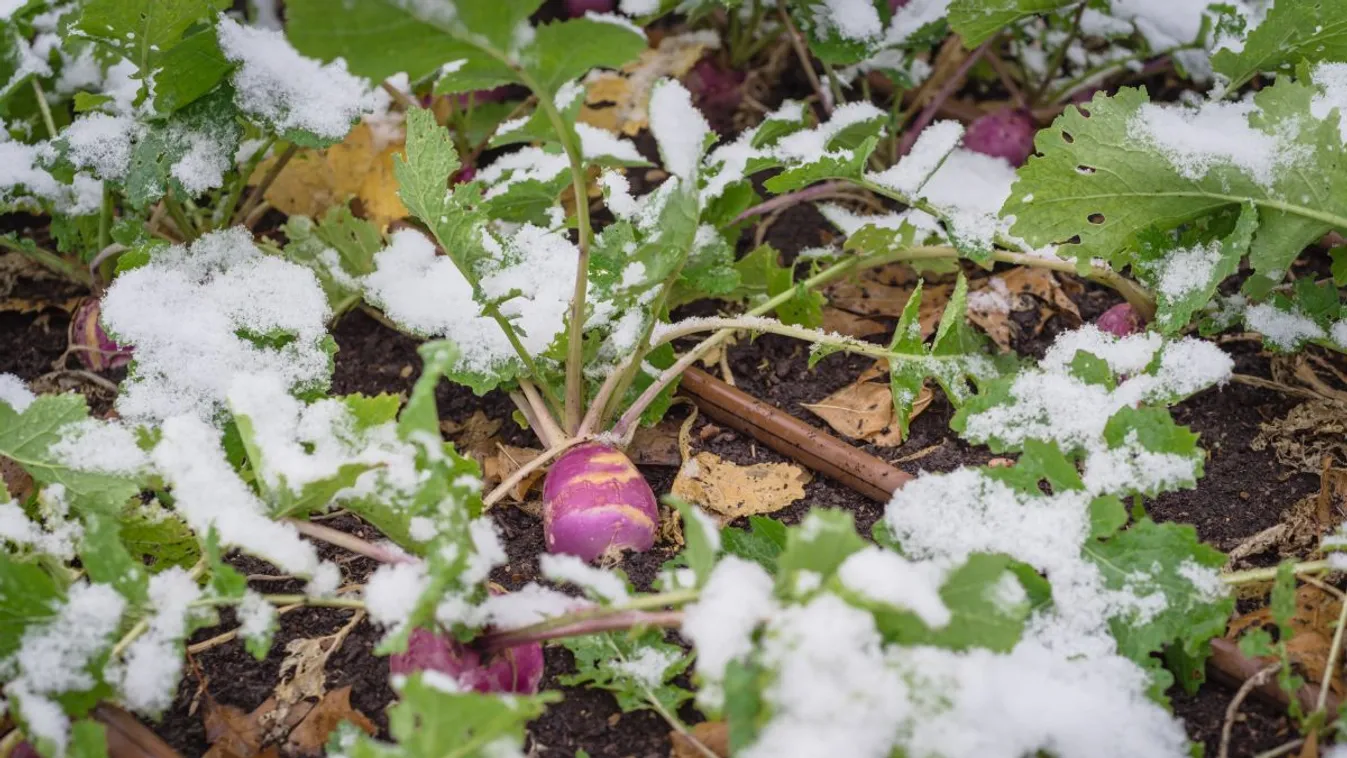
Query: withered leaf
[
  {"x": 617, "y": 100},
  {"x": 864, "y": 410},
  {"x": 359, "y": 167},
  {"x": 1312, "y": 632},
  {"x": 310, "y": 736},
  {"x": 713, "y": 735},
  {"x": 732, "y": 490}
]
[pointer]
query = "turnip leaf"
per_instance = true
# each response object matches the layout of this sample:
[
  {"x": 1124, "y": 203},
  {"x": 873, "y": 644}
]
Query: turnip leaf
[
  {"x": 976, "y": 20},
  {"x": 1291, "y": 33},
  {"x": 637, "y": 669},
  {"x": 1185, "y": 273}
]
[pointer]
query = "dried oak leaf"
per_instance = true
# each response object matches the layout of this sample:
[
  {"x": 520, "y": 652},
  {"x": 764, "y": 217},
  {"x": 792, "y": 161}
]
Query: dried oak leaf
[
  {"x": 866, "y": 297},
  {"x": 713, "y": 735},
  {"x": 993, "y": 299},
  {"x": 732, "y": 490},
  {"x": 360, "y": 167},
  {"x": 864, "y": 411},
  {"x": 310, "y": 736},
  {"x": 507, "y": 460},
  {"x": 230, "y": 732},
  {"x": 1312, "y": 632},
  {"x": 618, "y": 100}
]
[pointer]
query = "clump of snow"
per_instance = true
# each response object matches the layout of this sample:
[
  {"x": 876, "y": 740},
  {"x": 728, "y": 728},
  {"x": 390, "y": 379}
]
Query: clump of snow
[
  {"x": 598, "y": 143},
  {"x": 102, "y": 143},
  {"x": 736, "y": 598},
  {"x": 1188, "y": 270},
  {"x": 572, "y": 570},
  {"x": 256, "y": 616},
  {"x": 912, "y": 17},
  {"x": 392, "y": 591},
  {"x": 679, "y": 128},
  {"x": 107, "y": 447},
  {"x": 928, "y": 153},
  {"x": 526, "y": 164},
  {"x": 1331, "y": 79},
  {"x": 55, "y": 532},
  {"x": 200, "y": 317},
  {"x": 1286, "y": 330},
  {"x": 647, "y": 667},
  {"x": 15, "y": 394},
  {"x": 851, "y": 19},
  {"x": 885, "y": 577},
  {"x": 147, "y": 674},
  {"x": 968, "y": 188},
  {"x": 1196, "y": 140},
  {"x": 811, "y": 145},
  {"x": 286, "y": 90},
  {"x": 26, "y": 180}
]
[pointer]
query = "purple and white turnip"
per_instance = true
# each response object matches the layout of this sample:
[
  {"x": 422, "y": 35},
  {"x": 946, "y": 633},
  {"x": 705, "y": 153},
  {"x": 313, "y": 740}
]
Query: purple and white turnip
[
  {"x": 1120, "y": 320},
  {"x": 577, "y": 8},
  {"x": 95, "y": 349},
  {"x": 597, "y": 504},
  {"x": 517, "y": 669}
]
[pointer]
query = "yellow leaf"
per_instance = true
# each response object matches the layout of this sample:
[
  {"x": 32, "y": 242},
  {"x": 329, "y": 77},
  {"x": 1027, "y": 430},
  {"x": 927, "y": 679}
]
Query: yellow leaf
[
  {"x": 617, "y": 100},
  {"x": 733, "y": 491},
  {"x": 359, "y": 167},
  {"x": 864, "y": 410}
]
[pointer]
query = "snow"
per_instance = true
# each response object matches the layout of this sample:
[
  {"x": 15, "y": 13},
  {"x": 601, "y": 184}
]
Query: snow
[
  {"x": 639, "y": 7},
  {"x": 1285, "y": 330},
  {"x": 736, "y": 598},
  {"x": 256, "y": 616},
  {"x": 615, "y": 20},
  {"x": 569, "y": 569},
  {"x": 55, "y": 533},
  {"x": 147, "y": 675},
  {"x": 910, "y": 19},
  {"x": 885, "y": 577},
  {"x": 1331, "y": 79},
  {"x": 106, "y": 447},
  {"x": 528, "y": 605},
  {"x": 1188, "y": 270},
  {"x": 286, "y": 90},
  {"x": 598, "y": 143},
  {"x": 187, "y": 311},
  {"x": 679, "y": 128},
  {"x": 203, "y": 165},
  {"x": 928, "y": 153},
  {"x": 525, "y": 164},
  {"x": 856, "y": 20},
  {"x": 392, "y": 591},
  {"x": 53, "y": 657},
  {"x": 709, "y": 528},
  {"x": 811, "y": 145},
  {"x": 102, "y": 143},
  {"x": 647, "y": 667},
  {"x": 14, "y": 393},
  {"x": 1197, "y": 140}
]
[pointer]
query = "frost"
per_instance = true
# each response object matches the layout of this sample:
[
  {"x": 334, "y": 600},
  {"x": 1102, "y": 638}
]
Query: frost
[
  {"x": 570, "y": 569},
  {"x": 15, "y": 394},
  {"x": 1189, "y": 270},
  {"x": 736, "y": 598},
  {"x": 679, "y": 128},
  {"x": 148, "y": 674},
  {"x": 1284, "y": 329}
]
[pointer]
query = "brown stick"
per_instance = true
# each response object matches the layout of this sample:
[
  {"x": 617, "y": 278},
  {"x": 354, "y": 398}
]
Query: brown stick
[
  {"x": 793, "y": 438},
  {"x": 1233, "y": 668}
]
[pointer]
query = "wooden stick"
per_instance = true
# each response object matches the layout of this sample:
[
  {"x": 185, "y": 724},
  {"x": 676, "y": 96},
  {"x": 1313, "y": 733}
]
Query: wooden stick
[
  {"x": 1233, "y": 668},
  {"x": 805, "y": 444}
]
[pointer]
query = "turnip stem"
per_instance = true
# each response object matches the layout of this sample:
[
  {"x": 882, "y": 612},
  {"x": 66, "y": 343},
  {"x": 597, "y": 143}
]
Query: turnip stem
[
  {"x": 518, "y": 476},
  {"x": 255, "y": 197},
  {"x": 521, "y": 403},
  {"x": 546, "y": 423},
  {"x": 1059, "y": 57},
  {"x": 546, "y": 629},
  {"x": 806, "y": 62},
  {"x": 44, "y": 108},
  {"x": 771, "y": 326},
  {"x": 350, "y": 542},
  {"x": 787, "y": 200},
  {"x": 614, "y": 622},
  {"x": 1252, "y": 576}
]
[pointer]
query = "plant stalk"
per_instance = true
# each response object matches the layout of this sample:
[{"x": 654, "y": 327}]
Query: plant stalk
[
  {"x": 546, "y": 423},
  {"x": 50, "y": 260},
  {"x": 806, "y": 62},
  {"x": 1059, "y": 57},
  {"x": 179, "y": 216},
  {"x": 502, "y": 489},
  {"x": 1253, "y": 576},
  {"x": 44, "y": 108},
  {"x": 946, "y": 91},
  {"x": 350, "y": 542},
  {"x": 570, "y": 622},
  {"x": 255, "y": 197}
]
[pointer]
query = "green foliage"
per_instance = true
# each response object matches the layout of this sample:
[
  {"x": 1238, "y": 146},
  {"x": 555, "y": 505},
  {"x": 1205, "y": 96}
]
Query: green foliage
[
  {"x": 700, "y": 537},
  {"x": 145, "y": 31},
  {"x": 637, "y": 668},
  {"x": 761, "y": 543},
  {"x": 946, "y": 360},
  {"x": 1159, "y": 253},
  {"x": 354, "y": 240},
  {"x": 31, "y": 597},
  {"x": 977, "y": 20},
  {"x": 1291, "y": 33}
]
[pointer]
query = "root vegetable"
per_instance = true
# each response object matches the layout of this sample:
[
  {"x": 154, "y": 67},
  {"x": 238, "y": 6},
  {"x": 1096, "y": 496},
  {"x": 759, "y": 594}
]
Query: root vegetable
[
  {"x": 96, "y": 350},
  {"x": 596, "y": 503},
  {"x": 516, "y": 670},
  {"x": 576, "y": 8},
  {"x": 1120, "y": 320},
  {"x": 1007, "y": 133}
]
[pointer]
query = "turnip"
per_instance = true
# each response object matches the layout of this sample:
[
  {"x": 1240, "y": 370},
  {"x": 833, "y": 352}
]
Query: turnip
[
  {"x": 96, "y": 350},
  {"x": 1007, "y": 133},
  {"x": 714, "y": 86},
  {"x": 517, "y": 669},
  {"x": 24, "y": 750},
  {"x": 1120, "y": 320},
  {"x": 596, "y": 503},
  {"x": 576, "y": 8}
]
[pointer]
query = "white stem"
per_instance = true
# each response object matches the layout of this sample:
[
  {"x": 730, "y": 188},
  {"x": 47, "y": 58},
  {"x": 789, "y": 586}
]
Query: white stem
[{"x": 510, "y": 481}]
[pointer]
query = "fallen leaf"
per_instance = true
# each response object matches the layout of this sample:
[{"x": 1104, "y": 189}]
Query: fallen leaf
[
  {"x": 1312, "y": 632},
  {"x": 1307, "y": 433},
  {"x": 507, "y": 460},
  {"x": 22, "y": 305},
  {"x": 713, "y": 735},
  {"x": 864, "y": 410},
  {"x": 993, "y": 299},
  {"x": 310, "y": 736},
  {"x": 618, "y": 100},
  {"x": 838, "y": 320},
  {"x": 15, "y": 480},
  {"x": 655, "y": 445},
  {"x": 359, "y": 167},
  {"x": 230, "y": 732},
  {"x": 732, "y": 490},
  {"x": 866, "y": 297}
]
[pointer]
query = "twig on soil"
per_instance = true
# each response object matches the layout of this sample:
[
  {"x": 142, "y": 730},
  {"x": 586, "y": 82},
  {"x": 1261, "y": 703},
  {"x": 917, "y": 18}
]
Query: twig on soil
[
  {"x": 947, "y": 90},
  {"x": 1275, "y": 386},
  {"x": 350, "y": 542},
  {"x": 1232, "y": 710},
  {"x": 528, "y": 468}
]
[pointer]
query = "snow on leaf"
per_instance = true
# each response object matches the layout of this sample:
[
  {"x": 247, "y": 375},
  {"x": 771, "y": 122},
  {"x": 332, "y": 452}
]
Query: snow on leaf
[
  {"x": 1291, "y": 33},
  {"x": 637, "y": 669}
]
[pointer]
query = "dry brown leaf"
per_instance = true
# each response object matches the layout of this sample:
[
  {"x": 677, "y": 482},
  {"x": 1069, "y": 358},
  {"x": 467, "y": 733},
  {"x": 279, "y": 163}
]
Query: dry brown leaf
[
  {"x": 617, "y": 100},
  {"x": 22, "y": 305},
  {"x": 310, "y": 736},
  {"x": 1305, "y": 435},
  {"x": 475, "y": 437},
  {"x": 993, "y": 299},
  {"x": 863, "y": 410},
  {"x": 838, "y": 320},
  {"x": 655, "y": 445},
  {"x": 713, "y": 735},
  {"x": 360, "y": 167},
  {"x": 732, "y": 490},
  {"x": 866, "y": 297},
  {"x": 15, "y": 480},
  {"x": 1312, "y": 632},
  {"x": 507, "y": 460},
  {"x": 230, "y": 732}
]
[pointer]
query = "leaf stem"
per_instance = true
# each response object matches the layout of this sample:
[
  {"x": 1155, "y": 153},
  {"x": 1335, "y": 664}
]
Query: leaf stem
[
  {"x": 1334, "y": 652},
  {"x": 49, "y": 259},
  {"x": 105, "y": 219},
  {"x": 350, "y": 542},
  {"x": 44, "y": 108},
  {"x": 225, "y": 211},
  {"x": 946, "y": 91},
  {"x": 772, "y": 326},
  {"x": 179, "y": 216},
  {"x": 546, "y": 423},
  {"x": 502, "y": 489},
  {"x": 807, "y": 63},
  {"x": 255, "y": 196},
  {"x": 592, "y": 620},
  {"x": 1254, "y": 576},
  {"x": 1059, "y": 57}
]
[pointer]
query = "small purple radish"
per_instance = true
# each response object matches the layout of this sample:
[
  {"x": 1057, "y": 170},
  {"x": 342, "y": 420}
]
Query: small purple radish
[
  {"x": 714, "y": 86},
  {"x": 577, "y": 8},
  {"x": 95, "y": 348},
  {"x": 1120, "y": 320},
  {"x": 24, "y": 750},
  {"x": 516, "y": 670},
  {"x": 1007, "y": 133},
  {"x": 596, "y": 503}
]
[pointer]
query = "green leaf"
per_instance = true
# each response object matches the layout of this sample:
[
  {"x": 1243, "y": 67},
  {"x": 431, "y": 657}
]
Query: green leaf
[
  {"x": 423, "y": 171},
  {"x": 977, "y": 20},
  {"x": 339, "y": 248},
  {"x": 1155, "y": 431},
  {"x": 761, "y": 543},
  {"x": 845, "y": 163},
  {"x": 159, "y": 542},
  {"x": 1310, "y": 30},
  {"x": 196, "y": 65},
  {"x": 106, "y": 559},
  {"x": 26, "y": 439},
  {"x": 1107, "y": 516},
  {"x": 85, "y": 102},
  {"x": 819, "y": 544},
  {"x": 1096, "y": 185},
  {"x": 1339, "y": 266},
  {"x": 428, "y": 722},
  {"x": 213, "y": 119},
  {"x": 142, "y": 30},
  {"x": 702, "y": 541},
  {"x": 987, "y": 604},
  {"x": 565, "y": 50},
  {"x": 31, "y": 596},
  {"x": 1150, "y": 558},
  {"x": 744, "y": 709},
  {"x": 1186, "y": 279},
  {"x": 88, "y": 739},
  {"x": 626, "y": 664}
]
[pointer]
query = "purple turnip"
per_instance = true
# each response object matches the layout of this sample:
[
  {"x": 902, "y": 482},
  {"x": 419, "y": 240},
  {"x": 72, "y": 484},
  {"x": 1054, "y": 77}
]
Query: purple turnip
[
  {"x": 577, "y": 8},
  {"x": 894, "y": 5},
  {"x": 596, "y": 503},
  {"x": 1120, "y": 320},
  {"x": 96, "y": 350},
  {"x": 517, "y": 669},
  {"x": 1007, "y": 133},
  {"x": 713, "y": 85},
  {"x": 24, "y": 750}
]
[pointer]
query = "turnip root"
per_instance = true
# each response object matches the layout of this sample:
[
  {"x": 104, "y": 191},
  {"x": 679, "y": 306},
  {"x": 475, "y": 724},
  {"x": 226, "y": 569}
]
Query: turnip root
[
  {"x": 1007, "y": 133},
  {"x": 92, "y": 345},
  {"x": 1120, "y": 320},
  {"x": 596, "y": 503},
  {"x": 517, "y": 669},
  {"x": 576, "y": 8}
]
